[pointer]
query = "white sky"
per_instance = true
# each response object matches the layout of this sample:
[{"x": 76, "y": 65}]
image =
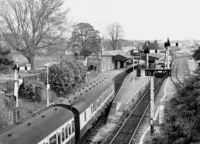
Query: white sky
[{"x": 141, "y": 19}]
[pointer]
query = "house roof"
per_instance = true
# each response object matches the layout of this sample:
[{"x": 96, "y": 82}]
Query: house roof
[
  {"x": 114, "y": 52},
  {"x": 121, "y": 57}
]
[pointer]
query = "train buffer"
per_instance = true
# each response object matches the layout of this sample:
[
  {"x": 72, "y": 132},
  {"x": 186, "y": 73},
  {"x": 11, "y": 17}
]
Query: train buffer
[{"x": 158, "y": 72}]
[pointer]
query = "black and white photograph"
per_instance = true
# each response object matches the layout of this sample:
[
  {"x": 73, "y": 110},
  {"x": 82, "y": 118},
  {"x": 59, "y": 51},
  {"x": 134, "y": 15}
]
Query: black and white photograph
[{"x": 99, "y": 71}]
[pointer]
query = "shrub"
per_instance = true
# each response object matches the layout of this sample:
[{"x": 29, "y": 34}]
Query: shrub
[
  {"x": 73, "y": 65},
  {"x": 5, "y": 61},
  {"x": 82, "y": 71},
  {"x": 31, "y": 90},
  {"x": 61, "y": 78}
]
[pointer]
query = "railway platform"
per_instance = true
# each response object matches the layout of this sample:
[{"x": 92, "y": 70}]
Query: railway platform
[{"x": 127, "y": 95}]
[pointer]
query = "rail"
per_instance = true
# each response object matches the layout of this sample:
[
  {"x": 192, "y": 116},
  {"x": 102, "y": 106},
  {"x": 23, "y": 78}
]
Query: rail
[{"x": 132, "y": 122}]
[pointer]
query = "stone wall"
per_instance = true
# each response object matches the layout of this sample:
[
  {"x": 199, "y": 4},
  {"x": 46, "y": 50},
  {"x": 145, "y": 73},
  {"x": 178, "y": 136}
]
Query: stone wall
[
  {"x": 107, "y": 64},
  {"x": 102, "y": 64}
]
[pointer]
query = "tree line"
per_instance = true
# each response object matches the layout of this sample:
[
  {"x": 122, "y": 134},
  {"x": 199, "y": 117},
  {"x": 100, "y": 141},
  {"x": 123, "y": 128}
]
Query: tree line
[{"x": 29, "y": 26}]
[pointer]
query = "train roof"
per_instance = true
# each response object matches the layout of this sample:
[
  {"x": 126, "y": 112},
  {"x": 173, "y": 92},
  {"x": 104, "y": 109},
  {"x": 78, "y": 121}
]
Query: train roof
[
  {"x": 40, "y": 125},
  {"x": 86, "y": 96},
  {"x": 37, "y": 127}
]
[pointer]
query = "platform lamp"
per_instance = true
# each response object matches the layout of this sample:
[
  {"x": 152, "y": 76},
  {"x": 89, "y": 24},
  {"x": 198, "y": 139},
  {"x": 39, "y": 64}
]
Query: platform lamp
[
  {"x": 48, "y": 85},
  {"x": 146, "y": 51}
]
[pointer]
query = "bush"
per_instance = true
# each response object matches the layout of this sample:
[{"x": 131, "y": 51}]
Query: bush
[
  {"x": 31, "y": 90},
  {"x": 82, "y": 70},
  {"x": 61, "y": 78},
  {"x": 65, "y": 76},
  {"x": 5, "y": 61},
  {"x": 74, "y": 66}
]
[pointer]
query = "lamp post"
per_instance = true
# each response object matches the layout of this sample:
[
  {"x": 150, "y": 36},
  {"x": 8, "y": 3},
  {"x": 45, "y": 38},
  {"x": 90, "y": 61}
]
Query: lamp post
[{"x": 48, "y": 85}]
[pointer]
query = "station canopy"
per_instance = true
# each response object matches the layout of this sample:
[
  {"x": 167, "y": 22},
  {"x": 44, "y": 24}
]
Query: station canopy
[
  {"x": 121, "y": 58},
  {"x": 152, "y": 56}
]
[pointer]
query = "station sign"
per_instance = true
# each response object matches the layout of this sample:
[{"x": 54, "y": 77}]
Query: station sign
[{"x": 158, "y": 72}]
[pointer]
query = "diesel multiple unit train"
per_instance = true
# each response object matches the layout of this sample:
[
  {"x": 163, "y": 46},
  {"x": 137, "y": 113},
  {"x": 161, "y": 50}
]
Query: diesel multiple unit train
[{"x": 68, "y": 121}]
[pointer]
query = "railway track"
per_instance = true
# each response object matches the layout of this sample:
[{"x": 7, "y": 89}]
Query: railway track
[
  {"x": 125, "y": 131},
  {"x": 179, "y": 72}
]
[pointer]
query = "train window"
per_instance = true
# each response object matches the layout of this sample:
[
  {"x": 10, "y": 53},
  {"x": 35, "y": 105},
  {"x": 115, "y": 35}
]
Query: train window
[
  {"x": 59, "y": 137},
  {"x": 66, "y": 132},
  {"x": 52, "y": 140},
  {"x": 91, "y": 109},
  {"x": 73, "y": 126},
  {"x": 63, "y": 134},
  {"x": 96, "y": 106},
  {"x": 85, "y": 115},
  {"x": 70, "y": 130},
  {"x": 98, "y": 103}
]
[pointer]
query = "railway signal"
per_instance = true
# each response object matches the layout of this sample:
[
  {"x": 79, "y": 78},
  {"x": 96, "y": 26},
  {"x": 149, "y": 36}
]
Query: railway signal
[
  {"x": 152, "y": 72},
  {"x": 146, "y": 51},
  {"x": 167, "y": 46},
  {"x": 17, "y": 82}
]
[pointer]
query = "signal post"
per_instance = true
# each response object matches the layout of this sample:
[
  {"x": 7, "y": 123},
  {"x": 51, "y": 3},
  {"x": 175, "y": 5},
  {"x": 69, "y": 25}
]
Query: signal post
[{"x": 152, "y": 72}]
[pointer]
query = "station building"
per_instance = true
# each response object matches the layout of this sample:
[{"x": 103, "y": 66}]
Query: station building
[{"x": 109, "y": 60}]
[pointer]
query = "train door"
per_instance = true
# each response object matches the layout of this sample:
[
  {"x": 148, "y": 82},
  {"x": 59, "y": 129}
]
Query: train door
[
  {"x": 59, "y": 138},
  {"x": 63, "y": 135}
]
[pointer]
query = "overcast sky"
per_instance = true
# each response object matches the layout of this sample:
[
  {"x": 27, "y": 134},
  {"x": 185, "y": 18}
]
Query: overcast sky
[{"x": 141, "y": 19}]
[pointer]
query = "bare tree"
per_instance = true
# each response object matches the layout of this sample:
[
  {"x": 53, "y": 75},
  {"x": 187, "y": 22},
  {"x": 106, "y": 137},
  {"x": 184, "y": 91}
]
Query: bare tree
[
  {"x": 60, "y": 50},
  {"x": 30, "y": 25},
  {"x": 115, "y": 32}
]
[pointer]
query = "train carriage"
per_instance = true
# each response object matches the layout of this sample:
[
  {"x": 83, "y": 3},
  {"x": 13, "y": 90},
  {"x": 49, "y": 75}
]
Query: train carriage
[
  {"x": 42, "y": 128},
  {"x": 68, "y": 121},
  {"x": 90, "y": 102}
]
